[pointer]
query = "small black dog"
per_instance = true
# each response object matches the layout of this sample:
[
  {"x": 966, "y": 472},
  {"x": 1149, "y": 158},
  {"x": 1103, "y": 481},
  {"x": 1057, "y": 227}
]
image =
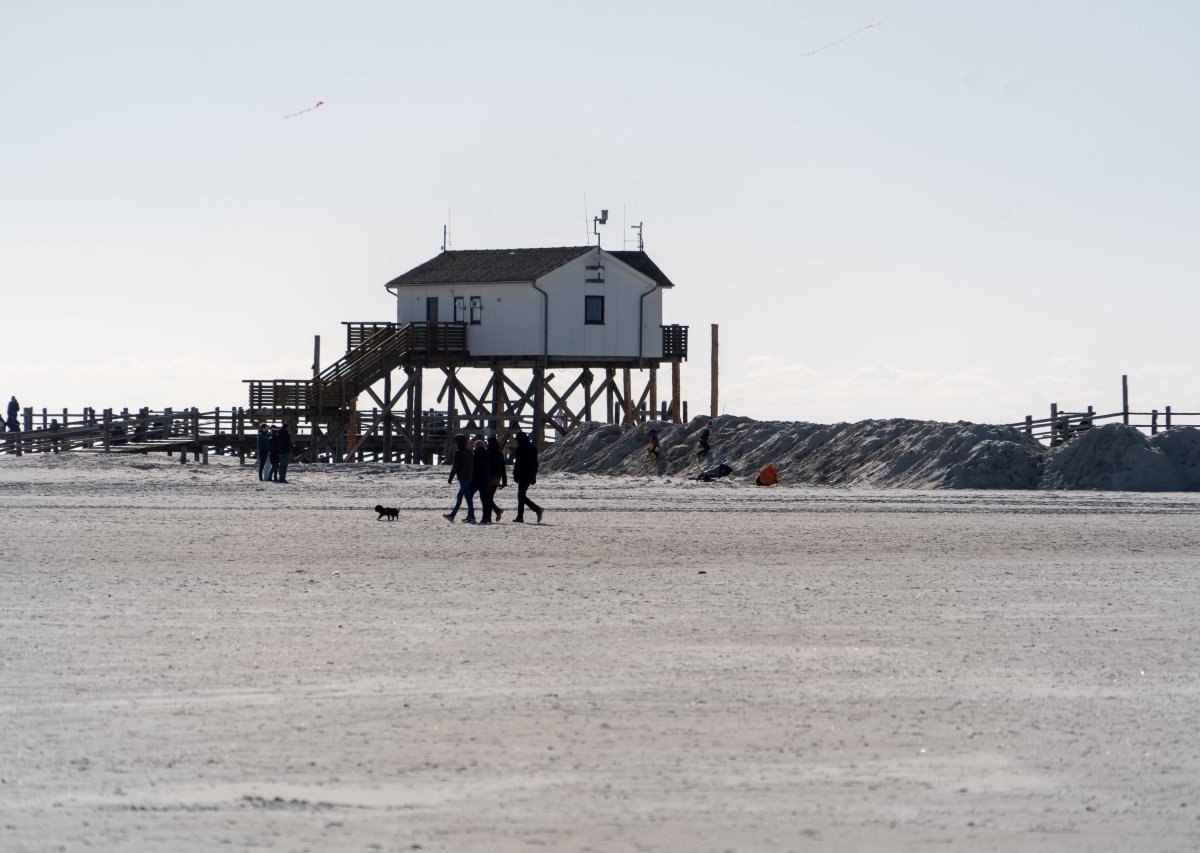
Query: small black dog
[{"x": 390, "y": 512}]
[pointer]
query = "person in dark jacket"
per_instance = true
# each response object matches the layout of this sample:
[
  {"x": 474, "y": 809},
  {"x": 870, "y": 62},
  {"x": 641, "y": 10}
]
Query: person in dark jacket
[
  {"x": 285, "y": 451},
  {"x": 263, "y": 449},
  {"x": 14, "y": 409},
  {"x": 481, "y": 480},
  {"x": 273, "y": 454},
  {"x": 704, "y": 437},
  {"x": 525, "y": 467},
  {"x": 497, "y": 470},
  {"x": 461, "y": 465}
]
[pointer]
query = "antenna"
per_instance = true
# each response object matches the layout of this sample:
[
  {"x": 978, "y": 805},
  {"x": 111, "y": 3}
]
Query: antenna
[
  {"x": 445, "y": 228},
  {"x": 597, "y": 221},
  {"x": 638, "y": 229}
]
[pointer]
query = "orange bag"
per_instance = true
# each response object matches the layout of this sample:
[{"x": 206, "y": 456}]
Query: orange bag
[{"x": 768, "y": 476}]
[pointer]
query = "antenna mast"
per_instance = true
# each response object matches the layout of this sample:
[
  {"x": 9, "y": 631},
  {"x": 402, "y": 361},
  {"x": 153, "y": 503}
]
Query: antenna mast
[
  {"x": 597, "y": 221},
  {"x": 638, "y": 229}
]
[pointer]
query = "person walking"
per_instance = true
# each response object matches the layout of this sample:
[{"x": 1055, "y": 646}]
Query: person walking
[
  {"x": 704, "y": 437},
  {"x": 14, "y": 409},
  {"x": 285, "y": 451},
  {"x": 273, "y": 454},
  {"x": 652, "y": 449},
  {"x": 263, "y": 449},
  {"x": 497, "y": 471},
  {"x": 460, "y": 466},
  {"x": 525, "y": 467},
  {"x": 481, "y": 480}
]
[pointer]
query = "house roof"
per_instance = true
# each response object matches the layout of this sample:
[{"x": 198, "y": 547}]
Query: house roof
[
  {"x": 480, "y": 265},
  {"x": 641, "y": 262},
  {"x": 497, "y": 265}
]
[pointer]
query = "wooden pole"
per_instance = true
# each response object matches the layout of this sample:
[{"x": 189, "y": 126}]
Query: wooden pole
[
  {"x": 1125, "y": 399},
  {"x": 1168, "y": 417},
  {"x": 627, "y": 390},
  {"x": 676, "y": 410},
  {"x": 1154, "y": 421},
  {"x": 387, "y": 417},
  {"x": 714, "y": 377},
  {"x": 587, "y": 394},
  {"x": 539, "y": 407},
  {"x": 1054, "y": 439},
  {"x": 609, "y": 373},
  {"x": 653, "y": 406},
  {"x": 418, "y": 417}
]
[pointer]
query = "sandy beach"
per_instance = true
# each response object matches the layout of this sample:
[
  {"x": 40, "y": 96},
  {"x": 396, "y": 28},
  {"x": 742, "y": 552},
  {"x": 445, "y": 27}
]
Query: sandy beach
[{"x": 194, "y": 660}]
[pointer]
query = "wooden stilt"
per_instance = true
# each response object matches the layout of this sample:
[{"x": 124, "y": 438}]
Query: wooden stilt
[
  {"x": 675, "y": 392},
  {"x": 713, "y": 409},
  {"x": 626, "y": 387}
]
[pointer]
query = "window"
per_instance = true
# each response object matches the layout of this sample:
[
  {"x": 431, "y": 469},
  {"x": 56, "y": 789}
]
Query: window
[
  {"x": 476, "y": 310},
  {"x": 460, "y": 309},
  {"x": 593, "y": 310}
]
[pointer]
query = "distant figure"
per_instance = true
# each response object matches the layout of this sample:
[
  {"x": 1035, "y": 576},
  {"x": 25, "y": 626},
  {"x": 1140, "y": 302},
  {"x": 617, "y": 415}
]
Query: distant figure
[
  {"x": 14, "y": 409},
  {"x": 721, "y": 470},
  {"x": 273, "y": 453},
  {"x": 481, "y": 480},
  {"x": 285, "y": 451},
  {"x": 652, "y": 450},
  {"x": 55, "y": 445},
  {"x": 497, "y": 470},
  {"x": 263, "y": 449},
  {"x": 461, "y": 465},
  {"x": 704, "y": 437},
  {"x": 525, "y": 465}
]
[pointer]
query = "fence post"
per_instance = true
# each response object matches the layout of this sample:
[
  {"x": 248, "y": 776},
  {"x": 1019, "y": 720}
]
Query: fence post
[
  {"x": 1125, "y": 399},
  {"x": 1029, "y": 425},
  {"x": 107, "y": 430},
  {"x": 195, "y": 434},
  {"x": 1054, "y": 437},
  {"x": 1168, "y": 418},
  {"x": 1154, "y": 421}
]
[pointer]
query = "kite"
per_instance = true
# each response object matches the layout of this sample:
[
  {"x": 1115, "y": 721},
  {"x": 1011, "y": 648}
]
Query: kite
[
  {"x": 302, "y": 112},
  {"x": 839, "y": 41}
]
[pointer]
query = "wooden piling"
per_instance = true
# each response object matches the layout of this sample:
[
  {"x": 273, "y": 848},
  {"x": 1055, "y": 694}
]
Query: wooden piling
[
  {"x": 676, "y": 386},
  {"x": 1125, "y": 399},
  {"x": 715, "y": 372}
]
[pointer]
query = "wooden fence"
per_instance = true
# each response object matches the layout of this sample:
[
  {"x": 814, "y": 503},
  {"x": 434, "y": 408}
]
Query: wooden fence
[{"x": 1063, "y": 425}]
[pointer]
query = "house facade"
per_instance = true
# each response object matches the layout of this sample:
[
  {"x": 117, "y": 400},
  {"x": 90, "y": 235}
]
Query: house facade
[{"x": 569, "y": 304}]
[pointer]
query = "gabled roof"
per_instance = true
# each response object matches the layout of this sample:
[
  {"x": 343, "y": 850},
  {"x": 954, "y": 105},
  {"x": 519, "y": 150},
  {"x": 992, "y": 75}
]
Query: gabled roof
[
  {"x": 474, "y": 266},
  {"x": 641, "y": 262},
  {"x": 480, "y": 265}
]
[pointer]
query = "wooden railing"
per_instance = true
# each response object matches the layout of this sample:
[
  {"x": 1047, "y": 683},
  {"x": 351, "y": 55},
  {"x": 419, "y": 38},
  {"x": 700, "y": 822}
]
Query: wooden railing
[
  {"x": 374, "y": 350},
  {"x": 675, "y": 342}
]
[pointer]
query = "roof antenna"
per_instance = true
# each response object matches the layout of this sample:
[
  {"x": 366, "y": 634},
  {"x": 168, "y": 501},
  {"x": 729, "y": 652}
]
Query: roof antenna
[
  {"x": 638, "y": 229},
  {"x": 597, "y": 221}
]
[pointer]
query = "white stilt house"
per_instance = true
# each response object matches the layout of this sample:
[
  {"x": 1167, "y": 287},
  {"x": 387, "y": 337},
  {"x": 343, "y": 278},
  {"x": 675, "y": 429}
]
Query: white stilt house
[{"x": 553, "y": 306}]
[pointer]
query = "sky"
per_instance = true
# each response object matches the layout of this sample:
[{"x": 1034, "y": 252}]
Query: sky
[{"x": 967, "y": 212}]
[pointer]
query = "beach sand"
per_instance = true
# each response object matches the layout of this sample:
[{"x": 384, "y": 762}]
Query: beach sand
[{"x": 193, "y": 661}]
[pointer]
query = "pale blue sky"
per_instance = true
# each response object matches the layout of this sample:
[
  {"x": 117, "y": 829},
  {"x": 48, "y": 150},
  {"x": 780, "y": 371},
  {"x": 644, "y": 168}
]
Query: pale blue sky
[{"x": 966, "y": 212}]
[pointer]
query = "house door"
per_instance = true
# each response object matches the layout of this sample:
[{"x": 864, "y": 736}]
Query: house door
[{"x": 431, "y": 318}]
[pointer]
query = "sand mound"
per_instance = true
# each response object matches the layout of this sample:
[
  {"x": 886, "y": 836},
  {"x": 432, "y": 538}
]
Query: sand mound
[{"x": 893, "y": 453}]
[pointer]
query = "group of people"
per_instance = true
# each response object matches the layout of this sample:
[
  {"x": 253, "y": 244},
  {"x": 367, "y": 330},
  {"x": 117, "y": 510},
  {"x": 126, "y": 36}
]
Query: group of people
[
  {"x": 481, "y": 469},
  {"x": 652, "y": 443},
  {"x": 274, "y": 446}
]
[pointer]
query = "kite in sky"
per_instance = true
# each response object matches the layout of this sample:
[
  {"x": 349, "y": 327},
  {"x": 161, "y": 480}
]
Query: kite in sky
[
  {"x": 314, "y": 106},
  {"x": 842, "y": 39}
]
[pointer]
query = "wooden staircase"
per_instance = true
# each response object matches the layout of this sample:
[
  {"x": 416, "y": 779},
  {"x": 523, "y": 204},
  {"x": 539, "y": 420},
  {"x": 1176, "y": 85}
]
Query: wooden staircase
[{"x": 373, "y": 351}]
